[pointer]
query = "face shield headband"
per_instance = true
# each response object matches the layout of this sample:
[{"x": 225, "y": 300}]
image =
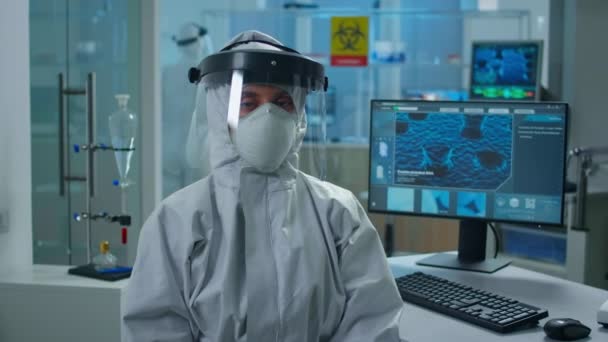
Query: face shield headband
[{"x": 264, "y": 66}]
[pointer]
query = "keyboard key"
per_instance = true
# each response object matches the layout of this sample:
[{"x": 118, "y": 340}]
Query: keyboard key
[
  {"x": 520, "y": 316},
  {"x": 469, "y": 301}
]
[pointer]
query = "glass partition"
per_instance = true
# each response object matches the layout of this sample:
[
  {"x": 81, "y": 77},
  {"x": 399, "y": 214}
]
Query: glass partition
[
  {"x": 69, "y": 40},
  {"x": 419, "y": 51}
]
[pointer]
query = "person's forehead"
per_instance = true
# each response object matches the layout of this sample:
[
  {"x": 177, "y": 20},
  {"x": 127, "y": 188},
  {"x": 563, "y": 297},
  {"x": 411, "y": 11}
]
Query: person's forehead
[{"x": 262, "y": 89}]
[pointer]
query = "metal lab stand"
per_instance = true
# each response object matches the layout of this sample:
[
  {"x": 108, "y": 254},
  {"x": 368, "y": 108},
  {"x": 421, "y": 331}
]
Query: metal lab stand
[{"x": 90, "y": 148}]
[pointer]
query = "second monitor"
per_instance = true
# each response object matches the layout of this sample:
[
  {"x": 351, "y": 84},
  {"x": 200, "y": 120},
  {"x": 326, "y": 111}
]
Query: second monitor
[
  {"x": 506, "y": 70},
  {"x": 476, "y": 161}
]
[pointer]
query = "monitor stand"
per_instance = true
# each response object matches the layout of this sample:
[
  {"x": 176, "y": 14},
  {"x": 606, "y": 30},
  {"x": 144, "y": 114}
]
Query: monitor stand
[{"x": 471, "y": 251}]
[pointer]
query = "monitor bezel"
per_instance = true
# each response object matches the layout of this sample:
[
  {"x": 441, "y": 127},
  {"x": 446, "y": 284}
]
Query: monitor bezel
[
  {"x": 456, "y": 217},
  {"x": 539, "y": 68}
]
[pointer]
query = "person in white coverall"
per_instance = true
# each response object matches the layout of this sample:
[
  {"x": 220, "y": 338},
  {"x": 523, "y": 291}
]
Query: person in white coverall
[{"x": 258, "y": 250}]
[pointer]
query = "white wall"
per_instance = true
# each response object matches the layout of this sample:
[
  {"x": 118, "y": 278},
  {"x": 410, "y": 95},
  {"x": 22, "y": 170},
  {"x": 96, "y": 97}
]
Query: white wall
[
  {"x": 15, "y": 173},
  {"x": 590, "y": 123},
  {"x": 587, "y": 79}
]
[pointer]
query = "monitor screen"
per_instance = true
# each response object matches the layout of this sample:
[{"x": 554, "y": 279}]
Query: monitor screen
[
  {"x": 506, "y": 70},
  {"x": 494, "y": 161}
]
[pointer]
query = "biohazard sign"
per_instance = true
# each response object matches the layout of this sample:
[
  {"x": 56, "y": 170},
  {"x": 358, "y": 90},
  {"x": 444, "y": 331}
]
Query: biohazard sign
[{"x": 349, "y": 41}]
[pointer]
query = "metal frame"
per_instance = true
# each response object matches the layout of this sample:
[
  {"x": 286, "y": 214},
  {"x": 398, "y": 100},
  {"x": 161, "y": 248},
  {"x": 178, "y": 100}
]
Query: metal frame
[{"x": 89, "y": 179}]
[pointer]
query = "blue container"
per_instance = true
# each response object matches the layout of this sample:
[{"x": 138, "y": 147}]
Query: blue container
[{"x": 534, "y": 244}]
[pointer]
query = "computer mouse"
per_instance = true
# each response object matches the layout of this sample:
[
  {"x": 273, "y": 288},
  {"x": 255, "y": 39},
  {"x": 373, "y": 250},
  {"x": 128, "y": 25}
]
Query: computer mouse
[{"x": 566, "y": 329}]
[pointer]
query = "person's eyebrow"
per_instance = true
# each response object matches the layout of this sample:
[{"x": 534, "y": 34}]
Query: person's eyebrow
[{"x": 246, "y": 93}]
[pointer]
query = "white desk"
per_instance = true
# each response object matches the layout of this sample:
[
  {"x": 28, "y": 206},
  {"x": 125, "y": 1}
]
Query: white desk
[
  {"x": 560, "y": 297},
  {"x": 46, "y": 304}
]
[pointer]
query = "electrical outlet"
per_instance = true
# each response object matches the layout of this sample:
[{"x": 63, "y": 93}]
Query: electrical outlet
[{"x": 3, "y": 221}]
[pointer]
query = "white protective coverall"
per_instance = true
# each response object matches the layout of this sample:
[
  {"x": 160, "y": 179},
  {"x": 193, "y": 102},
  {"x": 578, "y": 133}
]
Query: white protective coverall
[{"x": 248, "y": 256}]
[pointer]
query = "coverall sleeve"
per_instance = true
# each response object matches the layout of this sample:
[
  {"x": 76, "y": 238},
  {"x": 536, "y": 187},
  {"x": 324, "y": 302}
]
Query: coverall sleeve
[
  {"x": 373, "y": 304},
  {"x": 153, "y": 305}
]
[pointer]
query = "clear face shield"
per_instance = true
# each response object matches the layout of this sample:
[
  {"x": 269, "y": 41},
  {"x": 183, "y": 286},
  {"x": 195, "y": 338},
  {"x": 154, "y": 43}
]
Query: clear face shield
[{"x": 259, "y": 110}]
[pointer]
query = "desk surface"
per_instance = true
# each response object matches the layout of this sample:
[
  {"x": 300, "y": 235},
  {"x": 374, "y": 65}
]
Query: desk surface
[
  {"x": 562, "y": 298},
  {"x": 53, "y": 275}
]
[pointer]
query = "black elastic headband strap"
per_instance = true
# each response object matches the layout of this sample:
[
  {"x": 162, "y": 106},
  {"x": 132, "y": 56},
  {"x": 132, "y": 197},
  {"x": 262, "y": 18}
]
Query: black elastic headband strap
[
  {"x": 278, "y": 46},
  {"x": 184, "y": 42},
  {"x": 187, "y": 41}
]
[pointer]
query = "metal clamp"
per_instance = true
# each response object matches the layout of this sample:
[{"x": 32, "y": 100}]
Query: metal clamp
[
  {"x": 123, "y": 220},
  {"x": 102, "y": 147}
]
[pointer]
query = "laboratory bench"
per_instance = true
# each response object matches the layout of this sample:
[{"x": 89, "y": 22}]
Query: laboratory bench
[{"x": 45, "y": 303}]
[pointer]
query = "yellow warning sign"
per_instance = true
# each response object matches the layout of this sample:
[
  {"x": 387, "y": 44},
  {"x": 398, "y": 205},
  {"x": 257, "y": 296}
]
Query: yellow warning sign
[{"x": 349, "y": 41}]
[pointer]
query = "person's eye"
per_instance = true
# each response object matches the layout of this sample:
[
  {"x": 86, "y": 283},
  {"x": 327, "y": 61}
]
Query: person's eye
[
  {"x": 285, "y": 103},
  {"x": 247, "y": 107}
]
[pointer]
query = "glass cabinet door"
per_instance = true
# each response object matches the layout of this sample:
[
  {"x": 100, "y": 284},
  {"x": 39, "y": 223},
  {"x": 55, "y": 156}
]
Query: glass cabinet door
[
  {"x": 50, "y": 200},
  {"x": 89, "y": 38}
]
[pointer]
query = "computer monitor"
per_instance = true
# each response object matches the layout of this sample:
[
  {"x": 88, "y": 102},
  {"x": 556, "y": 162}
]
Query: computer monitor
[
  {"x": 506, "y": 70},
  {"x": 478, "y": 162}
]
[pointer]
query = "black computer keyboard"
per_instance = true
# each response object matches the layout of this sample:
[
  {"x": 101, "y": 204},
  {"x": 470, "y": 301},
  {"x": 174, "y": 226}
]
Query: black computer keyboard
[{"x": 479, "y": 307}]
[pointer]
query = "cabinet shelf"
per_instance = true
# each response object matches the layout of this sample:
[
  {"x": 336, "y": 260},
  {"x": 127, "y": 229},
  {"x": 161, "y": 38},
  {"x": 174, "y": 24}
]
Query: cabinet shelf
[
  {"x": 406, "y": 65},
  {"x": 328, "y": 12}
]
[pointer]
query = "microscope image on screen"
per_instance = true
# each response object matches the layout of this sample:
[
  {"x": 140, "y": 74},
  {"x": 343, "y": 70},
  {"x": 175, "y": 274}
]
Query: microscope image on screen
[
  {"x": 456, "y": 151},
  {"x": 505, "y": 70},
  {"x": 505, "y": 65},
  {"x": 435, "y": 201},
  {"x": 471, "y": 204}
]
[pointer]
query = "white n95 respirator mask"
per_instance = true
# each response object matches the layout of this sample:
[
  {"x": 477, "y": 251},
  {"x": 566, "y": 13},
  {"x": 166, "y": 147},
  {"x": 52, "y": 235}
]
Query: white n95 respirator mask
[{"x": 265, "y": 136}]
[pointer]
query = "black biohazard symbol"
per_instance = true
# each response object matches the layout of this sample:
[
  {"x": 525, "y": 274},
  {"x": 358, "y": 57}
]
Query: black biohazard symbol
[{"x": 349, "y": 36}]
